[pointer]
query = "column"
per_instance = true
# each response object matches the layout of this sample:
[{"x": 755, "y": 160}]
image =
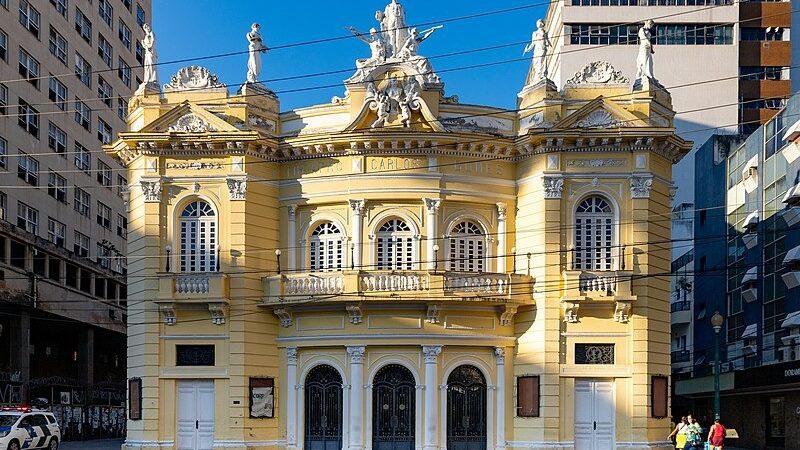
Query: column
[
  {"x": 357, "y": 232},
  {"x": 432, "y": 419},
  {"x": 86, "y": 355},
  {"x": 291, "y": 239},
  {"x": 20, "y": 337},
  {"x": 501, "y": 238},
  {"x": 356, "y": 354},
  {"x": 432, "y": 222},
  {"x": 500, "y": 433},
  {"x": 291, "y": 397}
]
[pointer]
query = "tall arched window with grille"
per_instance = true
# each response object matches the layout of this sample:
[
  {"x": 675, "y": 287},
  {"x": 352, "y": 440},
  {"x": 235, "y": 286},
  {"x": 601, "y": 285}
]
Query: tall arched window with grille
[
  {"x": 327, "y": 242},
  {"x": 395, "y": 246},
  {"x": 594, "y": 234},
  {"x": 467, "y": 246},
  {"x": 198, "y": 238}
]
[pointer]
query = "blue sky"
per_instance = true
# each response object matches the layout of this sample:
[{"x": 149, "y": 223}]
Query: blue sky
[{"x": 190, "y": 29}]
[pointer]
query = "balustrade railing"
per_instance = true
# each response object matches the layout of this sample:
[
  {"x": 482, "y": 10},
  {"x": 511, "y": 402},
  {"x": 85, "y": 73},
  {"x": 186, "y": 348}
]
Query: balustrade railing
[
  {"x": 314, "y": 284},
  {"x": 480, "y": 283},
  {"x": 192, "y": 284},
  {"x": 594, "y": 282},
  {"x": 394, "y": 281}
]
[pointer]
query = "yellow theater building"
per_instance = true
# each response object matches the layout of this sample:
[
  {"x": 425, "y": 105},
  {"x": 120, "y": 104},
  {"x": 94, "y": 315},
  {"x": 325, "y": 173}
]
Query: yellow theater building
[{"x": 395, "y": 270}]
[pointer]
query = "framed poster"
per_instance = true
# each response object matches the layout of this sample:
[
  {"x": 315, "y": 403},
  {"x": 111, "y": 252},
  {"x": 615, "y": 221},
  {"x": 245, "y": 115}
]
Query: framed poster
[
  {"x": 262, "y": 398},
  {"x": 135, "y": 399}
]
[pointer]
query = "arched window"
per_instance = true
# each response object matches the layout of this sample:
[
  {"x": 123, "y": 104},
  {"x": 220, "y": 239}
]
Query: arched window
[
  {"x": 395, "y": 246},
  {"x": 467, "y": 248},
  {"x": 594, "y": 234},
  {"x": 326, "y": 248},
  {"x": 198, "y": 228}
]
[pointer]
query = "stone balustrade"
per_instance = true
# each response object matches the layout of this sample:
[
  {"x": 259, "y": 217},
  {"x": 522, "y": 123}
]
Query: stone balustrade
[
  {"x": 403, "y": 281},
  {"x": 597, "y": 284},
  {"x": 495, "y": 283},
  {"x": 192, "y": 284},
  {"x": 195, "y": 286},
  {"x": 314, "y": 284}
]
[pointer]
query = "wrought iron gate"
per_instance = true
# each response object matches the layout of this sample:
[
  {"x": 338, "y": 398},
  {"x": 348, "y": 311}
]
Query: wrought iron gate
[
  {"x": 466, "y": 409},
  {"x": 323, "y": 393},
  {"x": 393, "y": 409}
]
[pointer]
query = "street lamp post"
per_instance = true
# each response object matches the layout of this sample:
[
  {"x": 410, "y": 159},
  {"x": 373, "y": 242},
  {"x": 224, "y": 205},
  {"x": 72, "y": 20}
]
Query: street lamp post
[{"x": 716, "y": 323}]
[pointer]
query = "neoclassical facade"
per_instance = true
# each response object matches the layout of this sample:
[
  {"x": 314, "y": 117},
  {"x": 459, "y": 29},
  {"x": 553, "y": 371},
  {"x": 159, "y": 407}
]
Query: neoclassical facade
[{"x": 395, "y": 270}]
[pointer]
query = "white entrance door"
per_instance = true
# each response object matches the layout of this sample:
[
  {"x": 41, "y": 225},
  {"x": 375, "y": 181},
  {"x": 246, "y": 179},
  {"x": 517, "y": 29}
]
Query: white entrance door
[
  {"x": 195, "y": 415},
  {"x": 594, "y": 415}
]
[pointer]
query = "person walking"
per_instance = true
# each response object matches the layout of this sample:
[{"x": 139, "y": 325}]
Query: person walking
[
  {"x": 679, "y": 431},
  {"x": 716, "y": 435},
  {"x": 693, "y": 439}
]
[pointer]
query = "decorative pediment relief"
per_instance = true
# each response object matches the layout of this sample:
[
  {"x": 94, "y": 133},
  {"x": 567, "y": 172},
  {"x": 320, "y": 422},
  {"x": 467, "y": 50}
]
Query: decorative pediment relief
[
  {"x": 598, "y": 72},
  {"x": 188, "y": 118},
  {"x": 193, "y": 78},
  {"x": 601, "y": 114},
  {"x": 191, "y": 123}
]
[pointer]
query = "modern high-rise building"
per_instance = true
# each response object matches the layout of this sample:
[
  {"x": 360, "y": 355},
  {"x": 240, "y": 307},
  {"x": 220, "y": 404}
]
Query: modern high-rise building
[{"x": 67, "y": 69}]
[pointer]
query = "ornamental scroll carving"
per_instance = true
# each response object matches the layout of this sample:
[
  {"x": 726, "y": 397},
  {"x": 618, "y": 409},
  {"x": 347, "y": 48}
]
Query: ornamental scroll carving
[
  {"x": 193, "y": 78},
  {"x": 598, "y": 119},
  {"x": 191, "y": 123},
  {"x": 641, "y": 186},
  {"x": 601, "y": 72},
  {"x": 195, "y": 166},
  {"x": 151, "y": 189},
  {"x": 553, "y": 187},
  {"x": 356, "y": 354},
  {"x": 431, "y": 353},
  {"x": 237, "y": 188}
]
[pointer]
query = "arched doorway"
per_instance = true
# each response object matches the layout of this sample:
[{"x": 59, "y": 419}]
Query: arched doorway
[
  {"x": 393, "y": 409},
  {"x": 323, "y": 409},
  {"x": 466, "y": 409}
]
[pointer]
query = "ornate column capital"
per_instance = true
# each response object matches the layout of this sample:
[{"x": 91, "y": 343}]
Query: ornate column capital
[
  {"x": 237, "y": 188},
  {"x": 292, "y": 210},
  {"x": 432, "y": 353},
  {"x": 358, "y": 206},
  {"x": 291, "y": 356},
  {"x": 641, "y": 186},
  {"x": 500, "y": 354},
  {"x": 501, "y": 210},
  {"x": 356, "y": 354},
  {"x": 432, "y": 204},
  {"x": 151, "y": 189},
  {"x": 553, "y": 186}
]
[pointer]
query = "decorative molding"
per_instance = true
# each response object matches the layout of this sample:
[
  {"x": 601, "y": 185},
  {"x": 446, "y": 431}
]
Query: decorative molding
[
  {"x": 168, "y": 314},
  {"x": 433, "y": 314},
  {"x": 219, "y": 311},
  {"x": 356, "y": 353},
  {"x": 598, "y": 72},
  {"x": 292, "y": 211},
  {"x": 502, "y": 212},
  {"x": 500, "y": 354},
  {"x": 641, "y": 186},
  {"x": 193, "y": 78},
  {"x": 553, "y": 186},
  {"x": 357, "y": 206},
  {"x": 355, "y": 313},
  {"x": 237, "y": 188},
  {"x": 151, "y": 190},
  {"x": 432, "y": 204},
  {"x": 622, "y": 311},
  {"x": 431, "y": 353},
  {"x": 596, "y": 163},
  {"x": 191, "y": 123},
  {"x": 291, "y": 356},
  {"x": 598, "y": 119},
  {"x": 507, "y": 315},
  {"x": 197, "y": 165},
  {"x": 570, "y": 312},
  {"x": 284, "y": 315}
]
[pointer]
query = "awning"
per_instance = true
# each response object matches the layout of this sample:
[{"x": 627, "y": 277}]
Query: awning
[
  {"x": 792, "y": 256},
  {"x": 750, "y": 331},
  {"x": 750, "y": 276},
  {"x": 751, "y": 221},
  {"x": 792, "y": 320},
  {"x": 793, "y": 132},
  {"x": 792, "y": 194}
]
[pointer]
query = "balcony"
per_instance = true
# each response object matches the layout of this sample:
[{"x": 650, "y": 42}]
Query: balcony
[
  {"x": 601, "y": 285},
  {"x": 353, "y": 286},
  {"x": 681, "y": 313},
  {"x": 206, "y": 288},
  {"x": 681, "y": 356}
]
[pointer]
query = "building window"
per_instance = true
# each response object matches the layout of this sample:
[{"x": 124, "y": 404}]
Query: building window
[
  {"x": 122, "y": 226},
  {"x": 61, "y": 7},
  {"x": 528, "y": 396},
  {"x": 57, "y": 187},
  {"x": 103, "y": 215},
  {"x": 83, "y": 158},
  {"x": 198, "y": 238},
  {"x": 3, "y": 152},
  {"x": 56, "y": 232},
  {"x": 466, "y": 248},
  {"x": 3, "y": 46},
  {"x": 106, "y": 12},
  {"x": 764, "y": 73},
  {"x": 3, "y": 206},
  {"x": 124, "y": 34},
  {"x": 594, "y": 353},
  {"x": 104, "y": 50},
  {"x": 624, "y": 34},
  {"x": 395, "y": 246},
  {"x": 29, "y": 17},
  {"x": 594, "y": 235},
  {"x": 81, "y": 245},
  {"x": 28, "y": 169},
  {"x": 104, "y": 91},
  {"x": 28, "y": 118},
  {"x": 326, "y": 252},
  {"x": 140, "y": 18},
  {"x": 83, "y": 114},
  {"x": 127, "y": 4},
  {"x": 58, "y": 45},
  {"x": 3, "y": 99},
  {"x": 83, "y": 70},
  {"x": 139, "y": 52},
  {"x": 104, "y": 133},
  {"x": 56, "y": 139},
  {"x": 122, "y": 108},
  {"x": 194, "y": 355},
  {"x": 27, "y": 218},
  {"x": 104, "y": 255},
  {"x": 761, "y": 34},
  {"x": 103, "y": 173},
  {"x": 81, "y": 203},
  {"x": 652, "y": 2},
  {"x": 83, "y": 26},
  {"x": 122, "y": 185},
  {"x": 58, "y": 93},
  {"x": 29, "y": 67},
  {"x": 124, "y": 72}
]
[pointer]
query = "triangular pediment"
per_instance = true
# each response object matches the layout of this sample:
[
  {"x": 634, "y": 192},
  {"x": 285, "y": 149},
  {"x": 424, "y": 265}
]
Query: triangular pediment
[
  {"x": 601, "y": 113},
  {"x": 191, "y": 119}
]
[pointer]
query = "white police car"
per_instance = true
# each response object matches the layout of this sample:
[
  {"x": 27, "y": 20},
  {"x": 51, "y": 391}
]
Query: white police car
[{"x": 26, "y": 428}]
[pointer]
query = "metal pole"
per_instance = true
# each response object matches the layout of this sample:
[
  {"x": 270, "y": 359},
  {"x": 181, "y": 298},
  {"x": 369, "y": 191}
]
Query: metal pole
[{"x": 716, "y": 374}]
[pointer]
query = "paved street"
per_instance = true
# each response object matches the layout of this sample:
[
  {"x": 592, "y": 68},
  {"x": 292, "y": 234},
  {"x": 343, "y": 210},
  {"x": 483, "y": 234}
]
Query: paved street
[{"x": 112, "y": 444}]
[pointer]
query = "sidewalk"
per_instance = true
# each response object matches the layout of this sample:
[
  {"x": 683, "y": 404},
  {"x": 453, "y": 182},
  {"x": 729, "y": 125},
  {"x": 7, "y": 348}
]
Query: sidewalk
[{"x": 104, "y": 444}]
